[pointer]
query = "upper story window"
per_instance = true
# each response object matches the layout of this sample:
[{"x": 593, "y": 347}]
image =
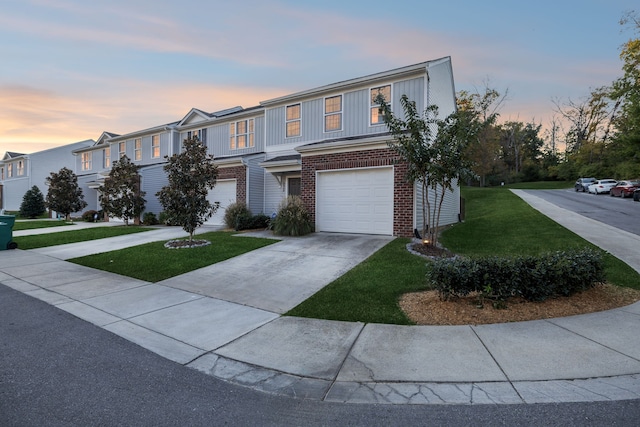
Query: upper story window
[
  {"x": 86, "y": 161},
  {"x": 293, "y": 120},
  {"x": 155, "y": 146},
  {"x": 376, "y": 117},
  {"x": 137, "y": 149},
  {"x": 122, "y": 149},
  {"x": 201, "y": 134},
  {"x": 9, "y": 170},
  {"x": 20, "y": 168},
  {"x": 1, "y": 174},
  {"x": 333, "y": 113},
  {"x": 241, "y": 134},
  {"x": 106, "y": 157}
]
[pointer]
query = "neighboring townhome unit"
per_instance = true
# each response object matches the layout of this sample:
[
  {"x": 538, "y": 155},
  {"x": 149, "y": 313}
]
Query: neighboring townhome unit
[
  {"x": 329, "y": 145},
  {"x": 20, "y": 172},
  {"x": 235, "y": 138}
]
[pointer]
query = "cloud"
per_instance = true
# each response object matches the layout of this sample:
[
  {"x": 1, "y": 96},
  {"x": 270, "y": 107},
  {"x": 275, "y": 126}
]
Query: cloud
[{"x": 32, "y": 118}]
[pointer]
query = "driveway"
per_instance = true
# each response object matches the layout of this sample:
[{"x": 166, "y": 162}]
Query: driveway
[{"x": 278, "y": 277}]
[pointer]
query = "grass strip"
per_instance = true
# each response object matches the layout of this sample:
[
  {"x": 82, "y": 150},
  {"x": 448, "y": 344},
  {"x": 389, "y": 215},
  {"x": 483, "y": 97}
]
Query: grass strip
[
  {"x": 370, "y": 291},
  {"x": 75, "y": 236},
  {"x": 152, "y": 262},
  {"x": 33, "y": 224},
  {"x": 500, "y": 223}
]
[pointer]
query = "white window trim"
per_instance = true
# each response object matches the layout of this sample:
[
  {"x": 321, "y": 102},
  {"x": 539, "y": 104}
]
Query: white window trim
[
  {"x": 106, "y": 157},
  {"x": 249, "y": 142},
  {"x": 154, "y": 138},
  {"x": 20, "y": 168},
  {"x": 340, "y": 112},
  {"x": 85, "y": 161},
  {"x": 122, "y": 153},
  {"x": 299, "y": 119},
  {"x": 390, "y": 101},
  {"x": 137, "y": 150}
]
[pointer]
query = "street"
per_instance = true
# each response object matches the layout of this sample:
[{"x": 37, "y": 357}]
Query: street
[
  {"x": 615, "y": 211},
  {"x": 58, "y": 370}
]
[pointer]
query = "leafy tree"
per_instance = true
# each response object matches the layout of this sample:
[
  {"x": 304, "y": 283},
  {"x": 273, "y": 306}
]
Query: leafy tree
[
  {"x": 64, "y": 194},
  {"x": 120, "y": 196},
  {"x": 33, "y": 203},
  {"x": 484, "y": 148},
  {"x": 191, "y": 175},
  {"x": 435, "y": 163}
]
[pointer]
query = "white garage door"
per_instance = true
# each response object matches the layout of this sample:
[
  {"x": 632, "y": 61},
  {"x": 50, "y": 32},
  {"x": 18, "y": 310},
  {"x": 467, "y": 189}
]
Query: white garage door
[
  {"x": 225, "y": 193},
  {"x": 355, "y": 201}
]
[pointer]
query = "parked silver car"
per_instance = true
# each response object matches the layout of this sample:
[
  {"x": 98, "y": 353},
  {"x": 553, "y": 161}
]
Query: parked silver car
[{"x": 582, "y": 184}]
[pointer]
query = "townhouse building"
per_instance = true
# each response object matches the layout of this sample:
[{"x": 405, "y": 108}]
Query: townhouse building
[{"x": 329, "y": 145}]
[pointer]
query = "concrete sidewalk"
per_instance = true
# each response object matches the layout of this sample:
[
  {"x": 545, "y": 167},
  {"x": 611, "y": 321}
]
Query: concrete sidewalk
[{"x": 225, "y": 320}]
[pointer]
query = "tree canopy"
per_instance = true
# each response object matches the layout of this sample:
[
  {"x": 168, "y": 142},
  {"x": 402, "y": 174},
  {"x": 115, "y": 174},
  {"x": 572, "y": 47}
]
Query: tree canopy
[
  {"x": 191, "y": 174},
  {"x": 120, "y": 195},
  {"x": 32, "y": 204},
  {"x": 64, "y": 195}
]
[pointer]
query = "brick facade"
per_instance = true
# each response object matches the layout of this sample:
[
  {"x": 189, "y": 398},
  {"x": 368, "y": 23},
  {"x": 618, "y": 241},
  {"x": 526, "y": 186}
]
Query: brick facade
[
  {"x": 239, "y": 173},
  {"x": 402, "y": 193}
]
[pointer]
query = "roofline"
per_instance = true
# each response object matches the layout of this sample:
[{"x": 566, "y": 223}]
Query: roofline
[
  {"x": 395, "y": 73},
  {"x": 153, "y": 130}
]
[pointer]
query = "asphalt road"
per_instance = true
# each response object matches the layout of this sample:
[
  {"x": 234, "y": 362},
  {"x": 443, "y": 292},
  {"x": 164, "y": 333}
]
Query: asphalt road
[
  {"x": 615, "y": 211},
  {"x": 58, "y": 370}
]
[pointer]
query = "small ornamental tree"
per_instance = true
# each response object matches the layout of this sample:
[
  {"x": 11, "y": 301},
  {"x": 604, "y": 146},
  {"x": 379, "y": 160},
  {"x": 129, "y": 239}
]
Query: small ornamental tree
[
  {"x": 33, "y": 203},
  {"x": 191, "y": 175},
  {"x": 120, "y": 196},
  {"x": 64, "y": 194},
  {"x": 434, "y": 162}
]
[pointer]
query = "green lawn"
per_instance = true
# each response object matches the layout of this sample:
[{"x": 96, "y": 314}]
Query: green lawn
[
  {"x": 497, "y": 223},
  {"x": 32, "y": 224},
  {"x": 74, "y": 236},
  {"x": 370, "y": 291},
  {"x": 500, "y": 223},
  {"x": 153, "y": 262}
]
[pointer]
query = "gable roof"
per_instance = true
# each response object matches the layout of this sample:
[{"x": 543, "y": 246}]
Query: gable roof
[{"x": 12, "y": 155}]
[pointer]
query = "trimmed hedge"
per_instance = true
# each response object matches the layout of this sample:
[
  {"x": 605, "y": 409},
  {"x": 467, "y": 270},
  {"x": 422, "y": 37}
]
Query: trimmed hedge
[{"x": 535, "y": 278}]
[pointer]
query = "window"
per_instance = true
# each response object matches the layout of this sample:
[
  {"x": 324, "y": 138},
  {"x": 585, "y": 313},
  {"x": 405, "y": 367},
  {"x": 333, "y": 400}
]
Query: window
[
  {"x": 20, "y": 168},
  {"x": 137, "y": 149},
  {"x": 106, "y": 157},
  {"x": 333, "y": 113},
  {"x": 376, "y": 117},
  {"x": 294, "y": 186},
  {"x": 201, "y": 134},
  {"x": 122, "y": 149},
  {"x": 1, "y": 174},
  {"x": 9, "y": 170},
  {"x": 86, "y": 161},
  {"x": 155, "y": 146},
  {"x": 241, "y": 134},
  {"x": 293, "y": 120}
]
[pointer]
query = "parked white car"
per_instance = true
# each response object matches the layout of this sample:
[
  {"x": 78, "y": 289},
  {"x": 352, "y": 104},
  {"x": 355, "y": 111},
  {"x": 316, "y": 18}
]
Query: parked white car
[{"x": 602, "y": 186}]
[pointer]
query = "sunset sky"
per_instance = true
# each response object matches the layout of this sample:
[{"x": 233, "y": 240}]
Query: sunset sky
[{"x": 70, "y": 69}]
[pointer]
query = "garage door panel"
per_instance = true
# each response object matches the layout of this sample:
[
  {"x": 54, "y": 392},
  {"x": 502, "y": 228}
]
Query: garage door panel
[
  {"x": 225, "y": 193},
  {"x": 355, "y": 201}
]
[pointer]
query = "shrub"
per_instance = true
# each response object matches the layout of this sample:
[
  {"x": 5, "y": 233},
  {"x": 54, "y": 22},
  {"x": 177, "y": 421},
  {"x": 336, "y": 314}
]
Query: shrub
[
  {"x": 246, "y": 222},
  {"x": 560, "y": 273},
  {"x": 149, "y": 218},
  {"x": 90, "y": 216},
  {"x": 233, "y": 212},
  {"x": 32, "y": 205},
  {"x": 292, "y": 218}
]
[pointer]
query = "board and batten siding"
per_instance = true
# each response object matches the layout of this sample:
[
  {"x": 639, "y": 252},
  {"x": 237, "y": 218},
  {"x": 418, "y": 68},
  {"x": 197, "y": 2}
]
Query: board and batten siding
[
  {"x": 255, "y": 185},
  {"x": 152, "y": 180},
  {"x": 355, "y": 114}
]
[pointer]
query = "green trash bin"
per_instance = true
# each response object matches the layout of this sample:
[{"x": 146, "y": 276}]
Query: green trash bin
[{"x": 6, "y": 232}]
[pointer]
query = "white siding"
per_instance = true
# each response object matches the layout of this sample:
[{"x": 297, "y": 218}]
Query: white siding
[{"x": 255, "y": 185}]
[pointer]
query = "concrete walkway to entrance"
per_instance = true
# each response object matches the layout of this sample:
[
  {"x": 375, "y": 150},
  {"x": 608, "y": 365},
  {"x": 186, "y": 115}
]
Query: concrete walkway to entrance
[{"x": 225, "y": 320}]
